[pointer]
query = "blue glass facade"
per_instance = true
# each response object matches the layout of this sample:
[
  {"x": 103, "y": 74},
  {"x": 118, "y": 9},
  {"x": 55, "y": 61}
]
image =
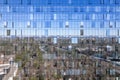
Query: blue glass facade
[
  {"x": 70, "y": 31},
  {"x": 60, "y": 18}
]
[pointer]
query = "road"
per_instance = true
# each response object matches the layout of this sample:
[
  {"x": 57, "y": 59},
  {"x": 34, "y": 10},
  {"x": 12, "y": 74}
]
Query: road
[
  {"x": 11, "y": 73},
  {"x": 106, "y": 62}
]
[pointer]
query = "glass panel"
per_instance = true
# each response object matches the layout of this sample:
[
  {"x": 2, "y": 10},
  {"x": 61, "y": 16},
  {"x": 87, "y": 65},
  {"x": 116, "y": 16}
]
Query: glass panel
[
  {"x": 47, "y": 24},
  {"x": 8, "y": 32},
  {"x": 113, "y": 32},
  {"x": 55, "y": 40},
  {"x": 117, "y": 24},
  {"x": 74, "y": 40},
  {"x": 81, "y": 32},
  {"x": 107, "y": 32}
]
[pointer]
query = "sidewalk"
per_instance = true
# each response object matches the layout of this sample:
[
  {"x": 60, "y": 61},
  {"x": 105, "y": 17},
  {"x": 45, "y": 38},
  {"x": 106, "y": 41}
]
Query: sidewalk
[{"x": 12, "y": 72}]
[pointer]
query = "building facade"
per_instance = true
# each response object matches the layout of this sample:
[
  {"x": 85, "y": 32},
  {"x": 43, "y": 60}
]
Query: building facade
[
  {"x": 80, "y": 18},
  {"x": 66, "y": 21}
]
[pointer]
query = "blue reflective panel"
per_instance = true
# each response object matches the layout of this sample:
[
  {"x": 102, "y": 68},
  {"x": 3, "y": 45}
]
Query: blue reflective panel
[
  {"x": 20, "y": 9},
  {"x": 79, "y": 2},
  {"x": 47, "y": 24},
  {"x": 109, "y": 16},
  {"x": 99, "y": 16},
  {"x": 48, "y": 16},
  {"x": 112, "y": 9},
  {"x": 111, "y": 24},
  {"x": 54, "y": 9},
  {"x": 37, "y": 9},
  {"x": 93, "y": 25},
  {"x": 4, "y": 9},
  {"x": 61, "y": 24},
  {"x": 53, "y": 1},
  {"x": 106, "y": 24},
  {"x": 101, "y": 24},
  {"x": 34, "y": 24},
  {"x": 117, "y": 1},
  {"x": 20, "y": 17},
  {"x": 91, "y": 9},
  {"x": 107, "y": 32},
  {"x": 29, "y": 2},
  {"x": 14, "y": 2},
  {"x": 117, "y": 9},
  {"x": 39, "y": 24},
  {"x": 98, "y": 9},
  {"x": 76, "y": 9},
  {"x": 106, "y": 1},
  {"x": 117, "y": 16},
  {"x": 88, "y": 16},
  {"x": 38, "y": 2},
  {"x": 117, "y": 24},
  {"x": 7, "y": 17},
  {"x": 113, "y": 32},
  {"x": 101, "y": 1},
  {"x": 55, "y": 24},
  {"x": 87, "y": 24},
  {"x": 14, "y": 9},
  {"x": 82, "y": 9},
  {"x": 25, "y": 2},
  {"x": 2, "y": 1},
  {"x": 56, "y": 13},
  {"x": 19, "y": 25},
  {"x": 77, "y": 17},
  {"x": 46, "y": 32},
  {"x": 94, "y": 1},
  {"x": 62, "y": 16},
  {"x": 63, "y": 2},
  {"x": 73, "y": 25},
  {"x": 112, "y": 1},
  {"x": 97, "y": 24},
  {"x": 9, "y": 25},
  {"x": 38, "y": 16}
]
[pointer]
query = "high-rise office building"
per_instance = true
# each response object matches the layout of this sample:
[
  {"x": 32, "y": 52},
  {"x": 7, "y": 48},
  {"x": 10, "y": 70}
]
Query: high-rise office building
[
  {"x": 60, "y": 18},
  {"x": 66, "y": 21}
]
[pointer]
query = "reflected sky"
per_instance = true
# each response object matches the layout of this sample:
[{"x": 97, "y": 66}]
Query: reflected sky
[{"x": 60, "y": 17}]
